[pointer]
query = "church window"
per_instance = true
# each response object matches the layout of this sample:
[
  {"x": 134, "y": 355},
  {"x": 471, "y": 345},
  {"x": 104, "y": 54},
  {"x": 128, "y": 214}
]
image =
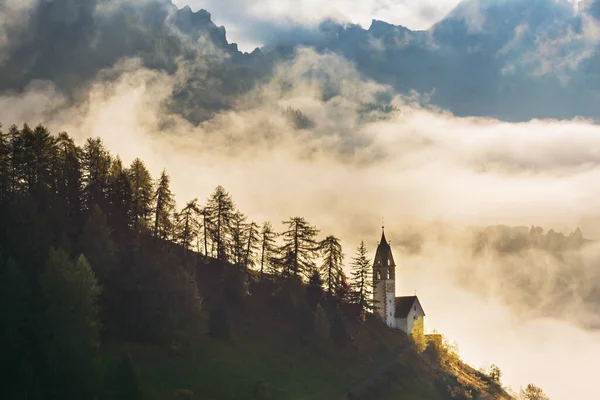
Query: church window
[
  {"x": 378, "y": 274},
  {"x": 415, "y": 308}
]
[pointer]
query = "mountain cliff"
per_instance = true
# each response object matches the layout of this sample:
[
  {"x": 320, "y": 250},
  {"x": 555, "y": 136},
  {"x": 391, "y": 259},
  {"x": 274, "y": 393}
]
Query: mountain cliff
[{"x": 509, "y": 59}]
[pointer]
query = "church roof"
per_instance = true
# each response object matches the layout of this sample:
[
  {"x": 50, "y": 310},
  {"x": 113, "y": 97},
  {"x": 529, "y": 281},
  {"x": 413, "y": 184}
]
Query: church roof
[
  {"x": 404, "y": 304},
  {"x": 383, "y": 256}
]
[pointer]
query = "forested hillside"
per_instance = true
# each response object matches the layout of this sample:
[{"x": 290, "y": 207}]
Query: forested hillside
[{"x": 108, "y": 290}]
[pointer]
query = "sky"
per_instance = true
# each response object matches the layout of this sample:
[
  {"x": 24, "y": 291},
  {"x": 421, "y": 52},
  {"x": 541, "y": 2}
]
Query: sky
[
  {"x": 429, "y": 173},
  {"x": 250, "y": 23}
]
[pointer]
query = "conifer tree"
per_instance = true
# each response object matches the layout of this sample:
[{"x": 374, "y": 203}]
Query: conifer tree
[
  {"x": 119, "y": 196},
  {"x": 15, "y": 325},
  {"x": 206, "y": 229},
  {"x": 252, "y": 245},
  {"x": 300, "y": 247},
  {"x": 4, "y": 167},
  {"x": 314, "y": 289},
  {"x": 220, "y": 209},
  {"x": 267, "y": 250},
  {"x": 331, "y": 268},
  {"x": 164, "y": 204},
  {"x": 188, "y": 224},
  {"x": 141, "y": 194},
  {"x": 71, "y": 327},
  {"x": 38, "y": 156},
  {"x": 532, "y": 392},
  {"x": 68, "y": 176},
  {"x": 96, "y": 162},
  {"x": 17, "y": 155},
  {"x": 343, "y": 291},
  {"x": 362, "y": 284},
  {"x": 98, "y": 245},
  {"x": 238, "y": 238}
]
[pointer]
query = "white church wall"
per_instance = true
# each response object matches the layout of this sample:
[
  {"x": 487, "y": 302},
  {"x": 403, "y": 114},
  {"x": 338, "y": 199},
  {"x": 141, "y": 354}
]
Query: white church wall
[{"x": 415, "y": 312}]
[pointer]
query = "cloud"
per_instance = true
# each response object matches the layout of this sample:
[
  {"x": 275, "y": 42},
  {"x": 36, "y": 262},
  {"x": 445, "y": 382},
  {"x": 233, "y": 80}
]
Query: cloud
[
  {"x": 14, "y": 15},
  {"x": 431, "y": 174},
  {"x": 254, "y": 23}
]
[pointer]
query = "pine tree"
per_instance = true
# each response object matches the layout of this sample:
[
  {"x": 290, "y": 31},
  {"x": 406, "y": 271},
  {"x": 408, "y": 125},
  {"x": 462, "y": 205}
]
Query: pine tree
[
  {"x": 267, "y": 250},
  {"x": 141, "y": 194},
  {"x": 220, "y": 209},
  {"x": 362, "y": 284},
  {"x": 331, "y": 268},
  {"x": 300, "y": 247},
  {"x": 163, "y": 207}
]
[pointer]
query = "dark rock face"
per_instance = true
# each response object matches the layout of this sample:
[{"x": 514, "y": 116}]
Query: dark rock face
[{"x": 509, "y": 59}]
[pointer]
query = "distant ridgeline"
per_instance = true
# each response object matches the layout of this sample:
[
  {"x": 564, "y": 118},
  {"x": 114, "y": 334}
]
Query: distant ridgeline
[
  {"x": 108, "y": 291},
  {"x": 491, "y": 69},
  {"x": 505, "y": 239}
]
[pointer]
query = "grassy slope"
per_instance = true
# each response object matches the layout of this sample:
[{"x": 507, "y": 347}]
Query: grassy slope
[{"x": 267, "y": 348}]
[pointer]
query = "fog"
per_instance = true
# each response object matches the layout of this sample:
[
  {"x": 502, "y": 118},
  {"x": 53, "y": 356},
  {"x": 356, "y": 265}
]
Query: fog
[{"x": 430, "y": 174}]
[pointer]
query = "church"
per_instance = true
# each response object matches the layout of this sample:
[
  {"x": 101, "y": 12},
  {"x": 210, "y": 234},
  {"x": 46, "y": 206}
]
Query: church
[{"x": 397, "y": 312}]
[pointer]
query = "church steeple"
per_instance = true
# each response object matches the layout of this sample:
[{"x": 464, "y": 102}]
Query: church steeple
[
  {"x": 384, "y": 280},
  {"x": 383, "y": 256}
]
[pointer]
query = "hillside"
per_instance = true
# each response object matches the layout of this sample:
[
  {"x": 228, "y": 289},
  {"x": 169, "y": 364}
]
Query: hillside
[{"x": 267, "y": 351}]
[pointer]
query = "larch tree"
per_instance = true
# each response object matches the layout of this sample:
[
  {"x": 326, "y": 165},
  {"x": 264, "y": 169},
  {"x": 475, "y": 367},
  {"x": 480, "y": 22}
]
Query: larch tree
[
  {"x": 206, "y": 229},
  {"x": 220, "y": 209},
  {"x": 96, "y": 162},
  {"x": 68, "y": 176},
  {"x": 164, "y": 204},
  {"x": 268, "y": 250},
  {"x": 141, "y": 194},
  {"x": 418, "y": 335},
  {"x": 188, "y": 228},
  {"x": 362, "y": 284},
  {"x": 38, "y": 157},
  {"x": 17, "y": 161},
  {"x": 4, "y": 167},
  {"x": 119, "y": 196},
  {"x": 314, "y": 289},
  {"x": 238, "y": 238},
  {"x": 252, "y": 245},
  {"x": 532, "y": 392},
  {"x": 331, "y": 268},
  {"x": 300, "y": 248},
  {"x": 97, "y": 243}
]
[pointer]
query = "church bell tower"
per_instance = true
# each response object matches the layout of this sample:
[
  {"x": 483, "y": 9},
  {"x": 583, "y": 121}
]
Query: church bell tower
[{"x": 384, "y": 282}]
